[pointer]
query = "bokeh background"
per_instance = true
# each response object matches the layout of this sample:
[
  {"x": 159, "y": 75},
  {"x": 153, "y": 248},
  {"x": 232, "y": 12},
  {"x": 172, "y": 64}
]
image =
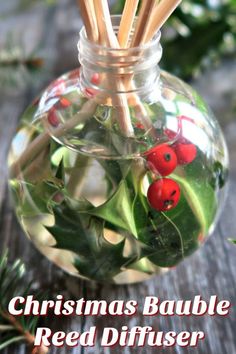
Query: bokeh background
[{"x": 38, "y": 41}]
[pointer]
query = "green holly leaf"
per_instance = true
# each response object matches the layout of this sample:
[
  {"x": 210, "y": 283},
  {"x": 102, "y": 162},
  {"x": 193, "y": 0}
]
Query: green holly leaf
[
  {"x": 108, "y": 263},
  {"x": 82, "y": 234},
  {"x": 115, "y": 171},
  {"x": 60, "y": 173},
  {"x": 199, "y": 193},
  {"x": 173, "y": 235},
  {"x": 75, "y": 232},
  {"x": 168, "y": 233},
  {"x": 33, "y": 199},
  {"x": 118, "y": 209},
  {"x": 140, "y": 212},
  {"x": 59, "y": 153}
]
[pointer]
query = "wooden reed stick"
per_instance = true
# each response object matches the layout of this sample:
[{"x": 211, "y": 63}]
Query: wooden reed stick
[
  {"x": 145, "y": 14},
  {"x": 105, "y": 28},
  {"x": 160, "y": 15},
  {"x": 108, "y": 36},
  {"x": 127, "y": 21},
  {"x": 89, "y": 18},
  {"x": 133, "y": 98}
]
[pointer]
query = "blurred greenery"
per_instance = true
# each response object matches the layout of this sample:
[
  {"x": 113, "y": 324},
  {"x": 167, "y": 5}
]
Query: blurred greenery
[
  {"x": 17, "y": 67},
  {"x": 15, "y": 329},
  {"x": 198, "y": 34}
]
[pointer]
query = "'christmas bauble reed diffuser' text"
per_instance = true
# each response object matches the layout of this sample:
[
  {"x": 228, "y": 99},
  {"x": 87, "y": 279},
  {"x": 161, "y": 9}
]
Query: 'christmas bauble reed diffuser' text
[{"x": 118, "y": 170}]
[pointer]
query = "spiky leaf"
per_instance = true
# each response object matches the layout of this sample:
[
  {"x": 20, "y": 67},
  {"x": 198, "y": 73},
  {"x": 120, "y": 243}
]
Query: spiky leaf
[
  {"x": 118, "y": 210},
  {"x": 82, "y": 234}
]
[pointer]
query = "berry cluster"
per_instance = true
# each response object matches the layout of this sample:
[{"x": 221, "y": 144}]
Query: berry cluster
[
  {"x": 164, "y": 193},
  {"x": 95, "y": 80},
  {"x": 58, "y": 88},
  {"x": 53, "y": 118}
]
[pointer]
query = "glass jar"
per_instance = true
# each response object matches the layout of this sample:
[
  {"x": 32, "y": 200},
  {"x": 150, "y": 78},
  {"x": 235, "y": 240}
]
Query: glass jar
[{"x": 118, "y": 170}]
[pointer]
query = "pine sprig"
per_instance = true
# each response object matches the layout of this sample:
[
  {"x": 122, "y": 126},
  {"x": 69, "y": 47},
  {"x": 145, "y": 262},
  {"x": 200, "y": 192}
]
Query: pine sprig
[{"x": 21, "y": 328}]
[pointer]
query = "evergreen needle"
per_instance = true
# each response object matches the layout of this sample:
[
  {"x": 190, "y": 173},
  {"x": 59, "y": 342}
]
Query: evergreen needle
[{"x": 20, "y": 328}]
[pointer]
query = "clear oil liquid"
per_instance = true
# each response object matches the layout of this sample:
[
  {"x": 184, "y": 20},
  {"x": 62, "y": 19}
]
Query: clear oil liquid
[{"x": 82, "y": 198}]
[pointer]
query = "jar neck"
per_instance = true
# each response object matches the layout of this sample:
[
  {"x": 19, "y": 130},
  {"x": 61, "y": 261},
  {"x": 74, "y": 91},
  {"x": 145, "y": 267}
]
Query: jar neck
[{"x": 136, "y": 68}]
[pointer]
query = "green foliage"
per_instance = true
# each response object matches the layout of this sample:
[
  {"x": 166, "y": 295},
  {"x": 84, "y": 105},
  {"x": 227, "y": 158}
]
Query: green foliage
[
  {"x": 36, "y": 198},
  {"x": 79, "y": 227},
  {"x": 12, "y": 284},
  {"x": 17, "y": 67},
  {"x": 200, "y": 197},
  {"x": 82, "y": 234},
  {"x": 162, "y": 237},
  {"x": 118, "y": 210},
  {"x": 197, "y": 34},
  {"x": 168, "y": 233}
]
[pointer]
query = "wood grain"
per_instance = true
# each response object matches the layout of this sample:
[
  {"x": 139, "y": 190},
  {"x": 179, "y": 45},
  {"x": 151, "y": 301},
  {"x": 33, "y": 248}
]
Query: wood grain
[{"x": 208, "y": 272}]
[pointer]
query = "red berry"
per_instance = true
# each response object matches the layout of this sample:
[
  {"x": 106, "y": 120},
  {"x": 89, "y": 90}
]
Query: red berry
[
  {"x": 201, "y": 238},
  {"x": 164, "y": 194},
  {"x": 91, "y": 92},
  {"x": 63, "y": 103},
  {"x": 162, "y": 159},
  {"x": 140, "y": 126},
  {"x": 186, "y": 153},
  {"x": 53, "y": 118},
  {"x": 95, "y": 79}
]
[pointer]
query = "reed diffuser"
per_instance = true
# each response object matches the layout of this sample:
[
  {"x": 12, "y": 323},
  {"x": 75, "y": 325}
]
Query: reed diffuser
[{"x": 118, "y": 170}]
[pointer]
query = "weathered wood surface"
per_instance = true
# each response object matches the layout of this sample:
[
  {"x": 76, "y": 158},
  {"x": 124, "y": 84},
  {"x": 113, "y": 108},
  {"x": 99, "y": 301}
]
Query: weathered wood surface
[{"x": 210, "y": 271}]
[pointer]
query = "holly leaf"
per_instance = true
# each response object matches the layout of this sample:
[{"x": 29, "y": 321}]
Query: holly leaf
[
  {"x": 118, "y": 209},
  {"x": 108, "y": 263},
  {"x": 168, "y": 234},
  {"x": 60, "y": 173},
  {"x": 115, "y": 171},
  {"x": 82, "y": 234},
  {"x": 173, "y": 235},
  {"x": 33, "y": 199},
  {"x": 198, "y": 190},
  {"x": 37, "y": 198}
]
